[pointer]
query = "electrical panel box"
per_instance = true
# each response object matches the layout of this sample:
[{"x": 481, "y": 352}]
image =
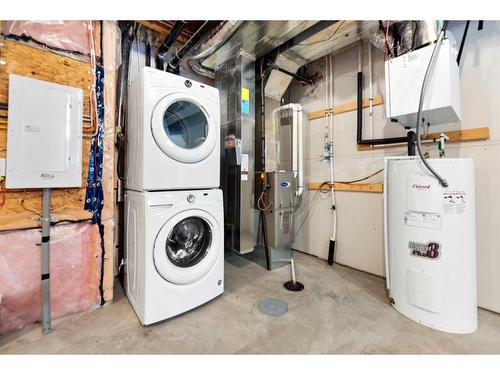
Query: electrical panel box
[
  {"x": 404, "y": 76},
  {"x": 44, "y": 140}
]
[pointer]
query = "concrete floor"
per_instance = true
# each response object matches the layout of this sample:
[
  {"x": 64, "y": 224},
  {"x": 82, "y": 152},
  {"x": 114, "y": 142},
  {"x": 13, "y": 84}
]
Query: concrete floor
[{"x": 340, "y": 311}]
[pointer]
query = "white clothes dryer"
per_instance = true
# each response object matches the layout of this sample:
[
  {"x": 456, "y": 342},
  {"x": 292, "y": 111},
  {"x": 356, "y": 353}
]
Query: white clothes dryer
[
  {"x": 174, "y": 251},
  {"x": 173, "y": 133}
]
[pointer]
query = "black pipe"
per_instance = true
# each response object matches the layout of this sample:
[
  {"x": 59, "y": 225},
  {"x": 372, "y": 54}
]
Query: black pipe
[
  {"x": 412, "y": 139},
  {"x": 359, "y": 134},
  {"x": 480, "y": 26},
  {"x": 298, "y": 77},
  {"x": 383, "y": 141},
  {"x": 359, "y": 109},
  {"x": 462, "y": 43},
  {"x": 168, "y": 42},
  {"x": 266, "y": 246},
  {"x": 331, "y": 252},
  {"x": 148, "y": 53},
  {"x": 172, "y": 37}
]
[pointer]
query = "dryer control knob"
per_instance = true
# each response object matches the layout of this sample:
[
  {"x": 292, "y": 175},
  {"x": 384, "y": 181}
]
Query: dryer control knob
[{"x": 191, "y": 198}]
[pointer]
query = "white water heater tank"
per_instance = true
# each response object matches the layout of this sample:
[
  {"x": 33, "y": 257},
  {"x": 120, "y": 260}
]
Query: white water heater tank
[{"x": 430, "y": 242}]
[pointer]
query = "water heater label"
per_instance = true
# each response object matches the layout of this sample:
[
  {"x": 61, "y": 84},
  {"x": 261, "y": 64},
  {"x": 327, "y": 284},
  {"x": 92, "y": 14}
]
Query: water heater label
[
  {"x": 423, "y": 219},
  {"x": 454, "y": 202},
  {"x": 431, "y": 250}
]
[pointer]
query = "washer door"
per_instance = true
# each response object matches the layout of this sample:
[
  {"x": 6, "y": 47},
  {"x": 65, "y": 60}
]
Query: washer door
[
  {"x": 187, "y": 247},
  {"x": 183, "y": 128}
]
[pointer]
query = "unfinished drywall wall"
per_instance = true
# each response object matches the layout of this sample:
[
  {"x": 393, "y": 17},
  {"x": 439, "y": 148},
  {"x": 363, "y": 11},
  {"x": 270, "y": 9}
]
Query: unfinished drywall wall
[{"x": 360, "y": 215}]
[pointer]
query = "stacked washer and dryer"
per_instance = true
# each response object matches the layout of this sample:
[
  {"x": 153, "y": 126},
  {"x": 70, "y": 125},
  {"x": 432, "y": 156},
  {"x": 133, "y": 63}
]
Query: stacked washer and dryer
[{"x": 174, "y": 250}]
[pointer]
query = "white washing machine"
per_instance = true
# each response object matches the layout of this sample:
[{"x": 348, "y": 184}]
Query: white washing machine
[
  {"x": 174, "y": 251},
  {"x": 173, "y": 133}
]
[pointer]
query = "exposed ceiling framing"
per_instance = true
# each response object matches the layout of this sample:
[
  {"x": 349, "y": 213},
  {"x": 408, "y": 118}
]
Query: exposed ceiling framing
[{"x": 163, "y": 28}]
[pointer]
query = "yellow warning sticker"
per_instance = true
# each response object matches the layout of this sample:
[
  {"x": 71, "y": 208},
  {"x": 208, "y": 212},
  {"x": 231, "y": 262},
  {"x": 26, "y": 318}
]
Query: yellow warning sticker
[{"x": 245, "y": 94}]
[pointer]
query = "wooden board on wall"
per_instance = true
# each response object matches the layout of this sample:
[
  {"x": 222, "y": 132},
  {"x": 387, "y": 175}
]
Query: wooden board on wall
[
  {"x": 339, "y": 186},
  {"x": 37, "y": 63},
  {"x": 345, "y": 107},
  {"x": 110, "y": 58},
  {"x": 464, "y": 135}
]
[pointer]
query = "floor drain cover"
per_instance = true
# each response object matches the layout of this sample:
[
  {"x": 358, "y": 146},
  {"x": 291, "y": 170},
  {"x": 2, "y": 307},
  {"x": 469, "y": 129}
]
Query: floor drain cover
[
  {"x": 273, "y": 307},
  {"x": 294, "y": 286}
]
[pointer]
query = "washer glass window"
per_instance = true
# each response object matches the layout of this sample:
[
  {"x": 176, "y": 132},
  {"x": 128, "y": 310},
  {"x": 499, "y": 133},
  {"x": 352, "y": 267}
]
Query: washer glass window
[
  {"x": 185, "y": 124},
  {"x": 188, "y": 241}
]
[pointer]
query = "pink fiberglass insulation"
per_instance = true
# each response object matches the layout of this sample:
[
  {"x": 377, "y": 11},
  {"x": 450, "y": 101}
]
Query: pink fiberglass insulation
[
  {"x": 75, "y": 253},
  {"x": 67, "y": 35}
]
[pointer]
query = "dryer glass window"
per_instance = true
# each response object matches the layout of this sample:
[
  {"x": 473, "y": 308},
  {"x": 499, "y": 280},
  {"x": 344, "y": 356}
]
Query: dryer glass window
[
  {"x": 185, "y": 124},
  {"x": 188, "y": 242}
]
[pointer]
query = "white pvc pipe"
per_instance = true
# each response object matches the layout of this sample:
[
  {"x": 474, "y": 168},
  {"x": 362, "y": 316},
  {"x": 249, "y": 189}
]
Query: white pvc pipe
[
  {"x": 297, "y": 136},
  {"x": 370, "y": 99},
  {"x": 294, "y": 279},
  {"x": 332, "y": 180},
  {"x": 294, "y": 140},
  {"x": 300, "y": 146}
]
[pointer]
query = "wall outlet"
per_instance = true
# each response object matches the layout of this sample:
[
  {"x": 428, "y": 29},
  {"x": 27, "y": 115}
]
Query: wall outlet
[{"x": 2, "y": 167}]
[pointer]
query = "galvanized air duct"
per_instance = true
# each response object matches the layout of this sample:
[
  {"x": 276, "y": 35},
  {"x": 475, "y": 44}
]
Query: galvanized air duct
[{"x": 207, "y": 47}]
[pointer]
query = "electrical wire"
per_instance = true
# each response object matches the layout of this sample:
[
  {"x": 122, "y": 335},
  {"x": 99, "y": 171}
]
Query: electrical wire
[
  {"x": 38, "y": 213},
  {"x": 261, "y": 203},
  {"x": 351, "y": 182},
  {"x": 361, "y": 179},
  {"x": 386, "y": 43},
  {"x": 309, "y": 209},
  {"x": 428, "y": 72},
  {"x": 324, "y": 40},
  {"x": 94, "y": 122},
  {"x": 2, "y": 190}
]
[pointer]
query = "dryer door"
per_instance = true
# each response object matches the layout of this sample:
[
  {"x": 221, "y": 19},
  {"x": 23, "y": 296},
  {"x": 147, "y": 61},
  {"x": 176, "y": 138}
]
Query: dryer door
[
  {"x": 187, "y": 246},
  {"x": 183, "y": 128}
]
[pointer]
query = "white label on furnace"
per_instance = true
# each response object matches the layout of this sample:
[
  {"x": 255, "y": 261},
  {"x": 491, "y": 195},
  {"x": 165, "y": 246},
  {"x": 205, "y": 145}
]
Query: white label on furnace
[
  {"x": 423, "y": 220},
  {"x": 244, "y": 167},
  {"x": 454, "y": 202}
]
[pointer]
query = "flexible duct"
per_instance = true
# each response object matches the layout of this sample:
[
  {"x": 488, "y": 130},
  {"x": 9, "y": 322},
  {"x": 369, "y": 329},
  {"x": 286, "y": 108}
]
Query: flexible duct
[
  {"x": 220, "y": 35},
  {"x": 207, "y": 47},
  {"x": 201, "y": 70}
]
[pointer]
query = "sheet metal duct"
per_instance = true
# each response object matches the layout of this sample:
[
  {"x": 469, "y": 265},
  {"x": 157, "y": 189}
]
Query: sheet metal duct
[
  {"x": 256, "y": 38},
  {"x": 332, "y": 39},
  {"x": 236, "y": 83},
  {"x": 278, "y": 82}
]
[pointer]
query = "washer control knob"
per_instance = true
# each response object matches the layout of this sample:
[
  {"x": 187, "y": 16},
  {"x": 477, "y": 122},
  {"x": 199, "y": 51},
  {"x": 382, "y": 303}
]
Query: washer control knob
[{"x": 191, "y": 198}]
